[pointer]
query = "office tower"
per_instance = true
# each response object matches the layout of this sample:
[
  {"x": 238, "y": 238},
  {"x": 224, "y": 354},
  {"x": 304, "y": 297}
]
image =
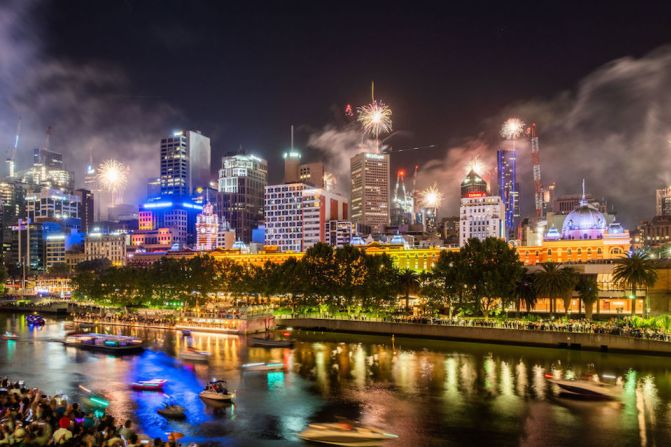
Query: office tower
[
  {"x": 296, "y": 215},
  {"x": 370, "y": 190},
  {"x": 506, "y": 162},
  {"x": 242, "y": 182},
  {"x": 339, "y": 232},
  {"x": 480, "y": 216},
  {"x": 178, "y": 214},
  {"x": 51, "y": 204},
  {"x": 185, "y": 162},
  {"x": 402, "y": 204},
  {"x": 312, "y": 174},
  {"x": 153, "y": 187},
  {"x": 48, "y": 170},
  {"x": 292, "y": 162},
  {"x": 86, "y": 209},
  {"x": 663, "y": 202}
]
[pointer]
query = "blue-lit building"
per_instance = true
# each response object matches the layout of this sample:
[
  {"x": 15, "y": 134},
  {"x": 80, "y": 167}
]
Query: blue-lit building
[
  {"x": 506, "y": 164},
  {"x": 175, "y": 212}
]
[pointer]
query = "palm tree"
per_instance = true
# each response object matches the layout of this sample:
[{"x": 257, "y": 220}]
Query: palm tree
[
  {"x": 553, "y": 281},
  {"x": 633, "y": 272},
  {"x": 408, "y": 281},
  {"x": 588, "y": 291},
  {"x": 526, "y": 291}
]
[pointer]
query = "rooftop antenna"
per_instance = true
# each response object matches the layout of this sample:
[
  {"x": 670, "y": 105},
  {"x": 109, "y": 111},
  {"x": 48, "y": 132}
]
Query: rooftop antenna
[
  {"x": 372, "y": 91},
  {"x": 583, "y": 200},
  {"x": 292, "y": 137}
]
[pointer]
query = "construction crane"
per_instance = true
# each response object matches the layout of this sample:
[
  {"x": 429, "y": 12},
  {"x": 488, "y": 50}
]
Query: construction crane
[
  {"x": 11, "y": 159},
  {"x": 390, "y": 150},
  {"x": 536, "y": 165}
]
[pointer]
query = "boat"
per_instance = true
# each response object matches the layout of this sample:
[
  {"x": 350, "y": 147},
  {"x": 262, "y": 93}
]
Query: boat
[
  {"x": 588, "y": 389},
  {"x": 192, "y": 355},
  {"x": 35, "y": 320},
  {"x": 186, "y": 332},
  {"x": 9, "y": 336},
  {"x": 172, "y": 411},
  {"x": 216, "y": 391},
  {"x": 149, "y": 385},
  {"x": 271, "y": 343},
  {"x": 106, "y": 343},
  {"x": 260, "y": 366},
  {"x": 344, "y": 434},
  {"x": 94, "y": 399}
]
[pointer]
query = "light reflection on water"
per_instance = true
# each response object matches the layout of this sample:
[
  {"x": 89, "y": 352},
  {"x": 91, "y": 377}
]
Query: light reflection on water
[{"x": 428, "y": 392}]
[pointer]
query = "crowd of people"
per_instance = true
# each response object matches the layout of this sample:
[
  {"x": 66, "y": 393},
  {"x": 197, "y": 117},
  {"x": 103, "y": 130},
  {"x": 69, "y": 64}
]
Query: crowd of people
[{"x": 29, "y": 418}]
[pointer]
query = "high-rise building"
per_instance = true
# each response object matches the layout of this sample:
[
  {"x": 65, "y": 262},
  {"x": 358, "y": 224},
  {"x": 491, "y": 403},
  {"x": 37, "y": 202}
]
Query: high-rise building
[
  {"x": 402, "y": 204},
  {"x": 31, "y": 239},
  {"x": 242, "y": 182},
  {"x": 292, "y": 162},
  {"x": 296, "y": 215},
  {"x": 178, "y": 214},
  {"x": 370, "y": 190},
  {"x": 153, "y": 187},
  {"x": 207, "y": 229},
  {"x": 48, "y": 170},
  {"x": 339, "y": 232},
  {"x": 86, "y": 209},
  {"x": 480, "y": 216},
  {"x": 663, "y": 202},
  {"x": 106, "y": 246},
  {"x": 54, "y": 250},
  {"x": 506, "y": 163},
  {"x": 51, "y": 204},
  {"x": 185, "y": 162},
  {"x": 312, "y": 174}
]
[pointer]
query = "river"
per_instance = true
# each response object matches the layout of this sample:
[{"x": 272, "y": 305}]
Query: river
[{"x": 430, "y": 393}]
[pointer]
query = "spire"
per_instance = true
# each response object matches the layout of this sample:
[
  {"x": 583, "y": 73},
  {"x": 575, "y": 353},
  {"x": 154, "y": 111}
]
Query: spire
[{"x": 583, "y": 199}]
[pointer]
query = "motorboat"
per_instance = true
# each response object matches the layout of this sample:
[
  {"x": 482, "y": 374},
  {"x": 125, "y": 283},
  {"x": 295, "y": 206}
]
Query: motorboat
[
  {"x": 9, "y": 336},
  {"x": 103, "y": 342},
  {"x": 35, "y": 320},
  {"x": 271, "y": 343},
  {"x": 192, "y": 355},
  {"x": 216, "y": 391},
  {"x": 94, "y": 399},
  {"x": 260, "y": 366},
  {"x": 172, "y": 411},
  {"x": 149, "y": 385},
  {"x": 588, "y": 389},
  {"x": 345, "y": 434}
]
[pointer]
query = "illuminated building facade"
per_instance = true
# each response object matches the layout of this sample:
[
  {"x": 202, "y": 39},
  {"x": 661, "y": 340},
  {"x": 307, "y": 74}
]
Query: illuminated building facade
[
  {"x": 176, "y": 213},
  {"x": 207, "y": 229},
  {"x": 185, "y": 162},
  {"x": 86, "y": 209},
  {"x": 506, "y": 164},
  {"x": 48, "y": 170},
  {"x": 54, "y": 250},
  {"x": 663, "y": 202},
  {"x": 106, "y": 246},
  {"x": 480, "y": 216},
  {"x": 320, "y": 206},
  {"x": 158, "y": 239},
  {"x": 52, "y": 204},
  {"x": 370, "y": 190},
  {"x": 242, "y": 182}
]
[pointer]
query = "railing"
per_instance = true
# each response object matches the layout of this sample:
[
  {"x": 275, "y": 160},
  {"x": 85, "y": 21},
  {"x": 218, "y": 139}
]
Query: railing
[{"x": 517, "y": 325}]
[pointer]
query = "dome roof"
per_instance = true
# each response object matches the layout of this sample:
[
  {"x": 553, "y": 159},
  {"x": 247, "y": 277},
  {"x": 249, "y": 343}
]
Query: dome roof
[{"x": 584, "y": 222}]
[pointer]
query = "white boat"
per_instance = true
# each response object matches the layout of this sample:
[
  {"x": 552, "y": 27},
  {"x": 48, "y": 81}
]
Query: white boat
[
  {"x": 260, "y": 366},
  {"x": 216, "y": 391},
  {"x": 172, "y": 411},
  {"x": 345, "y": 434},
  {"x": 192, "y": 355},
  {"x": 271, "y": 343},
  {"x": 589, "y": 389}
]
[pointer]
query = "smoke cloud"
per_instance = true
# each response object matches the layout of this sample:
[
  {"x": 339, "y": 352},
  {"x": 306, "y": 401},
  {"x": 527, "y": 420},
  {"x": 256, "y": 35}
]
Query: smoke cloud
[{"x": 91, "y": 107}]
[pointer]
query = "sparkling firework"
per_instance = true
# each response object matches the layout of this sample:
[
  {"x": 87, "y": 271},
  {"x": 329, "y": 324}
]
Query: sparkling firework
[
  {"x": 375, "y": 118},
  {"x": 431, "y": 197},
  {"x": 113, "y": 176},
  {"x": 512, "y": 128}
]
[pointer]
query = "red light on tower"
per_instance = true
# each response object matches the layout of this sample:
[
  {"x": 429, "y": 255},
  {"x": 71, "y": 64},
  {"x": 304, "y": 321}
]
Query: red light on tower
[{"x": 401, "y": 172}]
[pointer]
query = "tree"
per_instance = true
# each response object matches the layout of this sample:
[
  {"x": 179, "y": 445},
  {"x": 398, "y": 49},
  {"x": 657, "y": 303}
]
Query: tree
[
  {"x": 553, "y": 281},
  {"x": 635, "y": 271},
  {"x": 408, "y": 282},
  {"x": 588, "y": 291},
  {"x": 493, "y": 270},
  {"x": 59, "y": 270},
  {"x": 448, "y": 281},
  {"x": 4, "y": 275},
  {"x": 526, "y": 291}
]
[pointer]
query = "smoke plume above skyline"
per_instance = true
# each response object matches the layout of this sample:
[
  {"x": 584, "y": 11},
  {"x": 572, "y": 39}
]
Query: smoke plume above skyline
[{"x": 613, "y": 128}]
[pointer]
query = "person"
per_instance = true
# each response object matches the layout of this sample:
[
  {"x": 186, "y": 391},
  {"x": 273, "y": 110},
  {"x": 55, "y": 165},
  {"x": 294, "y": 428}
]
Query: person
[
  {"x": 63, "y": 434},
  {"x": 126, "y": 430}
]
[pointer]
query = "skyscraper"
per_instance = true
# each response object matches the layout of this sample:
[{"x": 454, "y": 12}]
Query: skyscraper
[
  {"x": 506, "y": 163},
  {"x": 185, "y": 162},
  {"x": 370, "y": 190},
  {"x": 242, "y": 182},
  {"x": 480, "y": 216},
  {"x": 86, "y": 209}
]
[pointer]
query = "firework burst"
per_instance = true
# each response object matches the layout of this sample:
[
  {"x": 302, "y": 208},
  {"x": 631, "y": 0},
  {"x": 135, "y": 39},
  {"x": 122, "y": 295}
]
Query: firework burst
[
  {"x": 431, "y": 197},
  {"x": 512, "y": 128},
  {"x": 113, "y": 176},
  {"x": 375, "y": 118}
]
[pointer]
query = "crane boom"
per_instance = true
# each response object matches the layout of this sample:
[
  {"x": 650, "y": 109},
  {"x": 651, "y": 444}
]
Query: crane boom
[{"x": 11, "y": 160}]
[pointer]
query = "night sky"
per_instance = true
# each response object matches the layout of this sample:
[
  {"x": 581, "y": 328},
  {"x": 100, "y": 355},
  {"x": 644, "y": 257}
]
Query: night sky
[{"x": 243, "y": 73}]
